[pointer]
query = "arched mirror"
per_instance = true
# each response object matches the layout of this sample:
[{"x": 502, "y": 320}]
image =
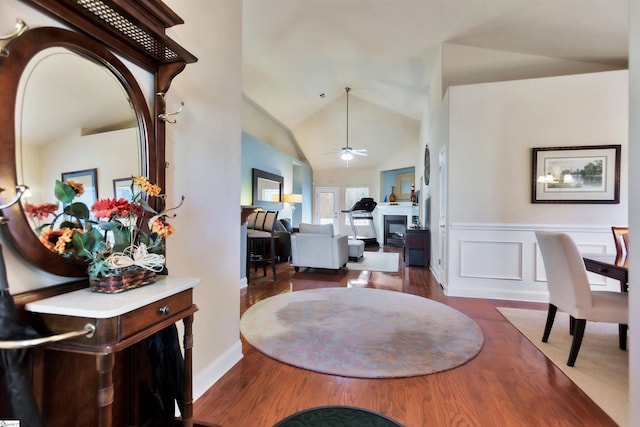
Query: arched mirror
[
  {"x": 77, "y": 112},
  {"x": 62, "y": 132}
]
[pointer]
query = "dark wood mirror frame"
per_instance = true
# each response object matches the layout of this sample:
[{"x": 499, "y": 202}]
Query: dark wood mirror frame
[
  {"x": 143, "y": 41},
  {"x": 257, "y": 174}
]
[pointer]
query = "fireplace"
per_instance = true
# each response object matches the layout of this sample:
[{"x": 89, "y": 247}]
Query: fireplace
[{"x": 394, "y": 229}]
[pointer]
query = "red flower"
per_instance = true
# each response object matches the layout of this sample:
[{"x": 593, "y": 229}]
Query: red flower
[
  {"x": 112, "y": 208},
  {"x": 40, "y": 211}
]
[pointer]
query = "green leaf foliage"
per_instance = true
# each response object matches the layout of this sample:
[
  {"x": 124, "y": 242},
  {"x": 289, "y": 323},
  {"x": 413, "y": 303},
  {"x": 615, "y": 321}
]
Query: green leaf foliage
[
  {"x": 77, "y": 209},
  {"x": 70, "y": 224},
  {"x": 77, "y": 241},
  {"x": 94, "y": 241},
  {"x": 63, "y": 192},
  {"x": 145, "y": 206},
  {"x": 121, "y": 237},
  {"x": 98, "y": 268},
  {"x": 108, "y": 225}
]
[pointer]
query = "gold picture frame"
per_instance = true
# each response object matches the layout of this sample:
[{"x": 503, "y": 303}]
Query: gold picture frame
[{"x": 404, "y": 181}]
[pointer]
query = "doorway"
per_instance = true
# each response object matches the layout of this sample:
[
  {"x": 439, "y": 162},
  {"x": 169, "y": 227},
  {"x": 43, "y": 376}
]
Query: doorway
[
  {"x": 327, "y": 207},
  {"x": 442, "y": 217}
]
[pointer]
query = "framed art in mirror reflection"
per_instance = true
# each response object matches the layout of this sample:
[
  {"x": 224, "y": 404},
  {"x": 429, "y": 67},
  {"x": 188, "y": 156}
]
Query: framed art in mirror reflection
[{"x": 89, "y": 180}]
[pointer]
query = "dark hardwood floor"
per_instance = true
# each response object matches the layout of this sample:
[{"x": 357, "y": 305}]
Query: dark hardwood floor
[{"x": 509, "y": 383}]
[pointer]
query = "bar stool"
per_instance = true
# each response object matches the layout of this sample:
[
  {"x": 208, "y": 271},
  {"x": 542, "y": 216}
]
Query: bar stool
[{"x": 261, "y": 243}]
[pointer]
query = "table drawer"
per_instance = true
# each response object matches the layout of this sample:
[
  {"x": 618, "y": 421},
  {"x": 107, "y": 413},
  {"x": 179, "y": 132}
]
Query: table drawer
[{"x": 153, "y": 313}]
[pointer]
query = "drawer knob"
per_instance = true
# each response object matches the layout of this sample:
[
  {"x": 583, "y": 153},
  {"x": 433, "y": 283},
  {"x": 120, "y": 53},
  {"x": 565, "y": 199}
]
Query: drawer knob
[{"x": 164, "y": 309}]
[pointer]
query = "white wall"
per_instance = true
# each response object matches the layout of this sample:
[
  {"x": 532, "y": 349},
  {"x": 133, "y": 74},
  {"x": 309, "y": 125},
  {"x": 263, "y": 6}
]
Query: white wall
[
  {"x": 492, "y": 128},
  {"x": 260, "y": 124},
  {"x": 435, "y": 134},
  {"x": 463, "y": 65},
  {"x": 203, "y": 150},
  {"x": 114, "y": 154},
  {"x": 347, "y": 177},
  {"x": 371, "y": 126},
  {"x": 634, "y": 204}
]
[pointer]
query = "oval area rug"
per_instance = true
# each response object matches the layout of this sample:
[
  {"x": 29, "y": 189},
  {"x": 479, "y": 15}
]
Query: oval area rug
[{"x": 361, "y": 332}]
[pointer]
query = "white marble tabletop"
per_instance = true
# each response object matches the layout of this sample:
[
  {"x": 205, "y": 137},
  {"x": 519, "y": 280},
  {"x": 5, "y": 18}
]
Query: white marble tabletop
[{"x": 85, "y": 303}]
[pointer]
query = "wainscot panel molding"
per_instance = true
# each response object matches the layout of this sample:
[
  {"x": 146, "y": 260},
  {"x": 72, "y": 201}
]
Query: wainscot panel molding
[
  {"x": 491, "y": 260},
  {"x": 502, "y": 261}
]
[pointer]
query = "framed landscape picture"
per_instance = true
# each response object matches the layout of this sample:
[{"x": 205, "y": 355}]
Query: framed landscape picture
[
  {"x": 122, "y": 188},
  {"x": 585, "y": 174}
]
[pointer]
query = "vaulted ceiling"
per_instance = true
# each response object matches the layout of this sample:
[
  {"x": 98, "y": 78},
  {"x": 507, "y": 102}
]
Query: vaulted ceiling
[{"x": 299, "y": 55}]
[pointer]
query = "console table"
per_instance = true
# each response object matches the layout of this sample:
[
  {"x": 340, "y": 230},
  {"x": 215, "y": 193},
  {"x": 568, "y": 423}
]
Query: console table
[
  {"x": 121, "y": 320},
  {"x": 416, "y": 247}
]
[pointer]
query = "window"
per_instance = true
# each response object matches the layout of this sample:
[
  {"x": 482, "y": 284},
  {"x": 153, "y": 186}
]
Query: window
[{"x": 351, "y": 196}]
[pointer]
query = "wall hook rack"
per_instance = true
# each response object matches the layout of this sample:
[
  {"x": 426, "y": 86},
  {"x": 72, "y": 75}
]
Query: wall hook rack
[
  {"x": 21, "y": 27},
  {"x": 166, "y": 116},
  {"x": 20, "y": 190}
]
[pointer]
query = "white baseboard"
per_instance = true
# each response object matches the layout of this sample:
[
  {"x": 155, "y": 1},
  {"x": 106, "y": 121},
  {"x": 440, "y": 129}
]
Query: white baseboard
[
  {"x": 216, "y": 369},
  {"x": 497, "y": 293}
]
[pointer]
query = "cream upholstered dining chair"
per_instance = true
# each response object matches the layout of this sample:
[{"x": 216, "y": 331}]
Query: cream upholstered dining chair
[{"x": 569, "y": 291}]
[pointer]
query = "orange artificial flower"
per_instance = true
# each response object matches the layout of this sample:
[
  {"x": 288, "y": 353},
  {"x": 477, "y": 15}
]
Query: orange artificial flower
[
  {"x": 151, "y": 189},
  {"x": 162, "y": 228},
  {"x": 77, "y": 187},
  {"x": 58, "y": 240}
]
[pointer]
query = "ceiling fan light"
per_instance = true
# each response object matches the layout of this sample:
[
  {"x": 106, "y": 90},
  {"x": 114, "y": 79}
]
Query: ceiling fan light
[{"x": 346, "y": 156}]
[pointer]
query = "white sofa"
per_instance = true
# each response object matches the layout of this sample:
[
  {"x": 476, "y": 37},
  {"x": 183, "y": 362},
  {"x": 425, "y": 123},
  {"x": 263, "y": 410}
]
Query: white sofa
[{"x": 316, "y": 246}]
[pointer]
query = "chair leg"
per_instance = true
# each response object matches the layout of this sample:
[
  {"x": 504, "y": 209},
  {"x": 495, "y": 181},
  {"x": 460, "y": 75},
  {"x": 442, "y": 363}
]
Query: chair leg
[
  {"x": 578, "y": 333},
  {"x": 273, "y": 259},
  {"x": 551, "y": 315},
  {"x": 622, "y": 331},
  {"x": 572, "y": 320}
]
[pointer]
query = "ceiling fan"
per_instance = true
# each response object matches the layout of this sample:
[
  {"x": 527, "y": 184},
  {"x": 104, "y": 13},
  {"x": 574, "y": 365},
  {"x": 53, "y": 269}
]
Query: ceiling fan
[{"x": 346, "y": 152}]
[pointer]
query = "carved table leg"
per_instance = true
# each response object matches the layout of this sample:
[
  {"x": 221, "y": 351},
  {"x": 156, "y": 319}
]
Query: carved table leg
[
  {"x": 104, "y": 366},
  {"x": 37, "y": 356},
  {"x": 187, "y": 416}
]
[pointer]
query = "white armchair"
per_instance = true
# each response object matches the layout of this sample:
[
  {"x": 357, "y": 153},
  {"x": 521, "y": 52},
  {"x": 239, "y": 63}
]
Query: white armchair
[{"x": 316, "y": 246}]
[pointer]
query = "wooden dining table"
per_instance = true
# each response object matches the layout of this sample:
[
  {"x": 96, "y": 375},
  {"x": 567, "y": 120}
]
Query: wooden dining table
[{"x": 613, "y": 266}]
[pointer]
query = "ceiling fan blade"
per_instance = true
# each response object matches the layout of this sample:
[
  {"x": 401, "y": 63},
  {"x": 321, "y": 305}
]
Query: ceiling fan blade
[{"x": 360, "y": 152}]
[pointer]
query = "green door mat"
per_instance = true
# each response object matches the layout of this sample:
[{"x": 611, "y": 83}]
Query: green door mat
[{"x": 337, "y": 416}]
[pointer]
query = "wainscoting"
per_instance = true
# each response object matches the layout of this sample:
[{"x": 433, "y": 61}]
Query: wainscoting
[{"x": 503, "y": 261}]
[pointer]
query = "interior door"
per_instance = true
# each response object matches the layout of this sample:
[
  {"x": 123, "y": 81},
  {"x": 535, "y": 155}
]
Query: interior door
[
  {"x": 442, "y": 216},
  {"x": 327, "y": 207}
]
